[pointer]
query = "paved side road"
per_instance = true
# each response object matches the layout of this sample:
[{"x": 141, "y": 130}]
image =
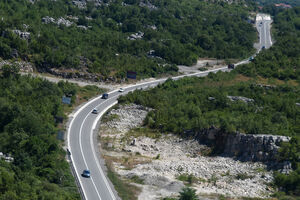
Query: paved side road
[{"x": 82, "y": 131}]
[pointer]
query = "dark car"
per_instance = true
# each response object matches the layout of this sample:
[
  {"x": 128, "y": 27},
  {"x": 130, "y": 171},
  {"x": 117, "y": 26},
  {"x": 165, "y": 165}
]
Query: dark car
[
  {"x": 86, "y": 173},
  {"x": 105, "y": 96},
  {"x": 263, "y": 47},
  {"x": 95, "y": 111},
  {"x": 231, "y": 66}
]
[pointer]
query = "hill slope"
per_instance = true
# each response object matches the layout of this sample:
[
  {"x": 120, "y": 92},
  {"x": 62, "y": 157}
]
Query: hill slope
[{"x": 112, "y": 37}]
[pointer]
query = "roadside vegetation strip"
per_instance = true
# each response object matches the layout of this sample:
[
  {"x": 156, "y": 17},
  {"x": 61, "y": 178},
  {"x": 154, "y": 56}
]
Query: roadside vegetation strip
[{"x": 125, "y": 190}]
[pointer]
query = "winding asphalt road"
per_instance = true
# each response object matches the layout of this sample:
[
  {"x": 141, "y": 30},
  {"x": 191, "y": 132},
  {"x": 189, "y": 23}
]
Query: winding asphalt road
[{"x": 82, "y": 130}]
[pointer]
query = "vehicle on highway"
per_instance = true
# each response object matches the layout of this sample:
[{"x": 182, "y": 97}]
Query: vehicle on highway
[
  {"x": 230, "y": 66},
  {"x": 121, "y": 90},
  {"x": 86, "y": 173},
  {"x": 105, "y": 96},
  {"x": 95, "y": 111}
]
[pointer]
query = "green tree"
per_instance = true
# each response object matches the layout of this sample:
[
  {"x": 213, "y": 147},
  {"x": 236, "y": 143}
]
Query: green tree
[{"x": 188, "y": 194}]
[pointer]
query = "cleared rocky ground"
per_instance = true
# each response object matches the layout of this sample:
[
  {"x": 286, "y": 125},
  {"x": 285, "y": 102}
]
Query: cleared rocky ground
[{"x": 161, "y": 164}]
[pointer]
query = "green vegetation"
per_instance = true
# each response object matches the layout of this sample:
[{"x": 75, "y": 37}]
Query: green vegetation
[
  {"x": 28, "y": 133},
  {"x": 281, "y": 61},
  {"x": 271, "y": 2},
  {"x": 179, "y": 32},
  {"x": 137, "y": 179},
  {"x": 243, "y": 176},
  {"x": 272, "y": 80},
  {"x": 290, "y": 183},
  {"x": 194, "y": 104},
  {"x": 126, "y": 191},
  {"x": 188, "y": 194},
  {"x": 189, "y": 179}
]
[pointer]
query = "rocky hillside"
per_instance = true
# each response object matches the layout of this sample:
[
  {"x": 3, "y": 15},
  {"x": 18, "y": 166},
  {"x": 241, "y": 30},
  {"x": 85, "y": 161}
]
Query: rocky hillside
[
  {"x": 105, "y": 39},
  {"x": 161, "y": 164}
]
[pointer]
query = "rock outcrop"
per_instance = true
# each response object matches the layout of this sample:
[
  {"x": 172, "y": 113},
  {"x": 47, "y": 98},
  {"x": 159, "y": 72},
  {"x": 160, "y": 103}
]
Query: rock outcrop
[
  {"x": 245, "y": 147},
  {"x": 23, "y": 35},
  {"x": 238, "y": 98},
  {"x": 60, "y": 21},
  {"x": 249, "y": 147},
  {"x": 26, "y": 67}
]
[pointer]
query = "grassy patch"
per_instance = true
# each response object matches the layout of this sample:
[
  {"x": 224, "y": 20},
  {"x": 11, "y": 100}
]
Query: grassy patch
[
  {"x": 125, "y": 190},
  {"x": 110, "y": 117},
  {"x": 142, "y": 131},
  {"x": 129, "y": 162},
  {"x": 137, "y": 180},
  {"x": 243, "y": 176},
  {"x": 189, "y": 179}
]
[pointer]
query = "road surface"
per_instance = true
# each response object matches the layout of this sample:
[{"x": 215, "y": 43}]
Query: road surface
[
  {"x": 82, "y": 133},
  {"x": 82, "y": 141},
  {"x": 263, "y": 23}
]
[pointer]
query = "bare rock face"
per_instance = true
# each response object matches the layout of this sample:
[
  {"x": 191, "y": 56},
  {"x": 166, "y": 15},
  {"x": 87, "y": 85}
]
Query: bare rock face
[
  {"x": 246, "y": 147},
  {"x": 254, "y": 147}
]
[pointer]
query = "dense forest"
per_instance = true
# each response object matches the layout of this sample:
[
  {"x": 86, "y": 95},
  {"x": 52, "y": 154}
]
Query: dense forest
[
  {"x": 148, "y": 37},
  {"x": 28, "y": 107},
  {"x": 270, "y": 85}
]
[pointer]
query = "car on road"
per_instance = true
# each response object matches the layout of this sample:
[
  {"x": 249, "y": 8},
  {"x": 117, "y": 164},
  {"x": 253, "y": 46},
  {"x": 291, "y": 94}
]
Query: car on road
[
  {"x": 95, "y": 111},
  {"x": 121, "y": 90},
  {"x": 263, "y": 47},
  {"x": 86, "y": 173},
  {"x": 105, "y": 96},
  {"x": 230, "y": 66},
  {"x": 251, "y": 58}
]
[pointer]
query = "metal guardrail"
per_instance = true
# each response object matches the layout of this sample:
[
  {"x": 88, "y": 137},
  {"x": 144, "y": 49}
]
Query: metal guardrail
[{"x": 73, "y": 171}]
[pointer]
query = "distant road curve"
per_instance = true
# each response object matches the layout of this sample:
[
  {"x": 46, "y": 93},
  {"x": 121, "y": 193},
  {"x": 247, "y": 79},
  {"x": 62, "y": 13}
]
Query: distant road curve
[{"x": 82, "y": 130}]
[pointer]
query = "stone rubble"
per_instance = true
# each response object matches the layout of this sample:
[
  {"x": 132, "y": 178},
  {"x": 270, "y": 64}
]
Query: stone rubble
[
  {"x": 132, "y": 116},
  {"x": 170, "y": 156}
]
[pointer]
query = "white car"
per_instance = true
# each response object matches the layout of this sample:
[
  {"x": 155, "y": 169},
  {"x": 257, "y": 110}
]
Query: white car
[{"x": 121, "y": 90}]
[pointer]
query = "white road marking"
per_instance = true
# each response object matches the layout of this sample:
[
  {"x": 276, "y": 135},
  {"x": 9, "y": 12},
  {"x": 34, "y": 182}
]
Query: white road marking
[
  {"x": 83, "y": 154},
  {"x": 76, "y": 170},
  {"x": 97, "y": 98},
  {"x": 93, "y": 147}
]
